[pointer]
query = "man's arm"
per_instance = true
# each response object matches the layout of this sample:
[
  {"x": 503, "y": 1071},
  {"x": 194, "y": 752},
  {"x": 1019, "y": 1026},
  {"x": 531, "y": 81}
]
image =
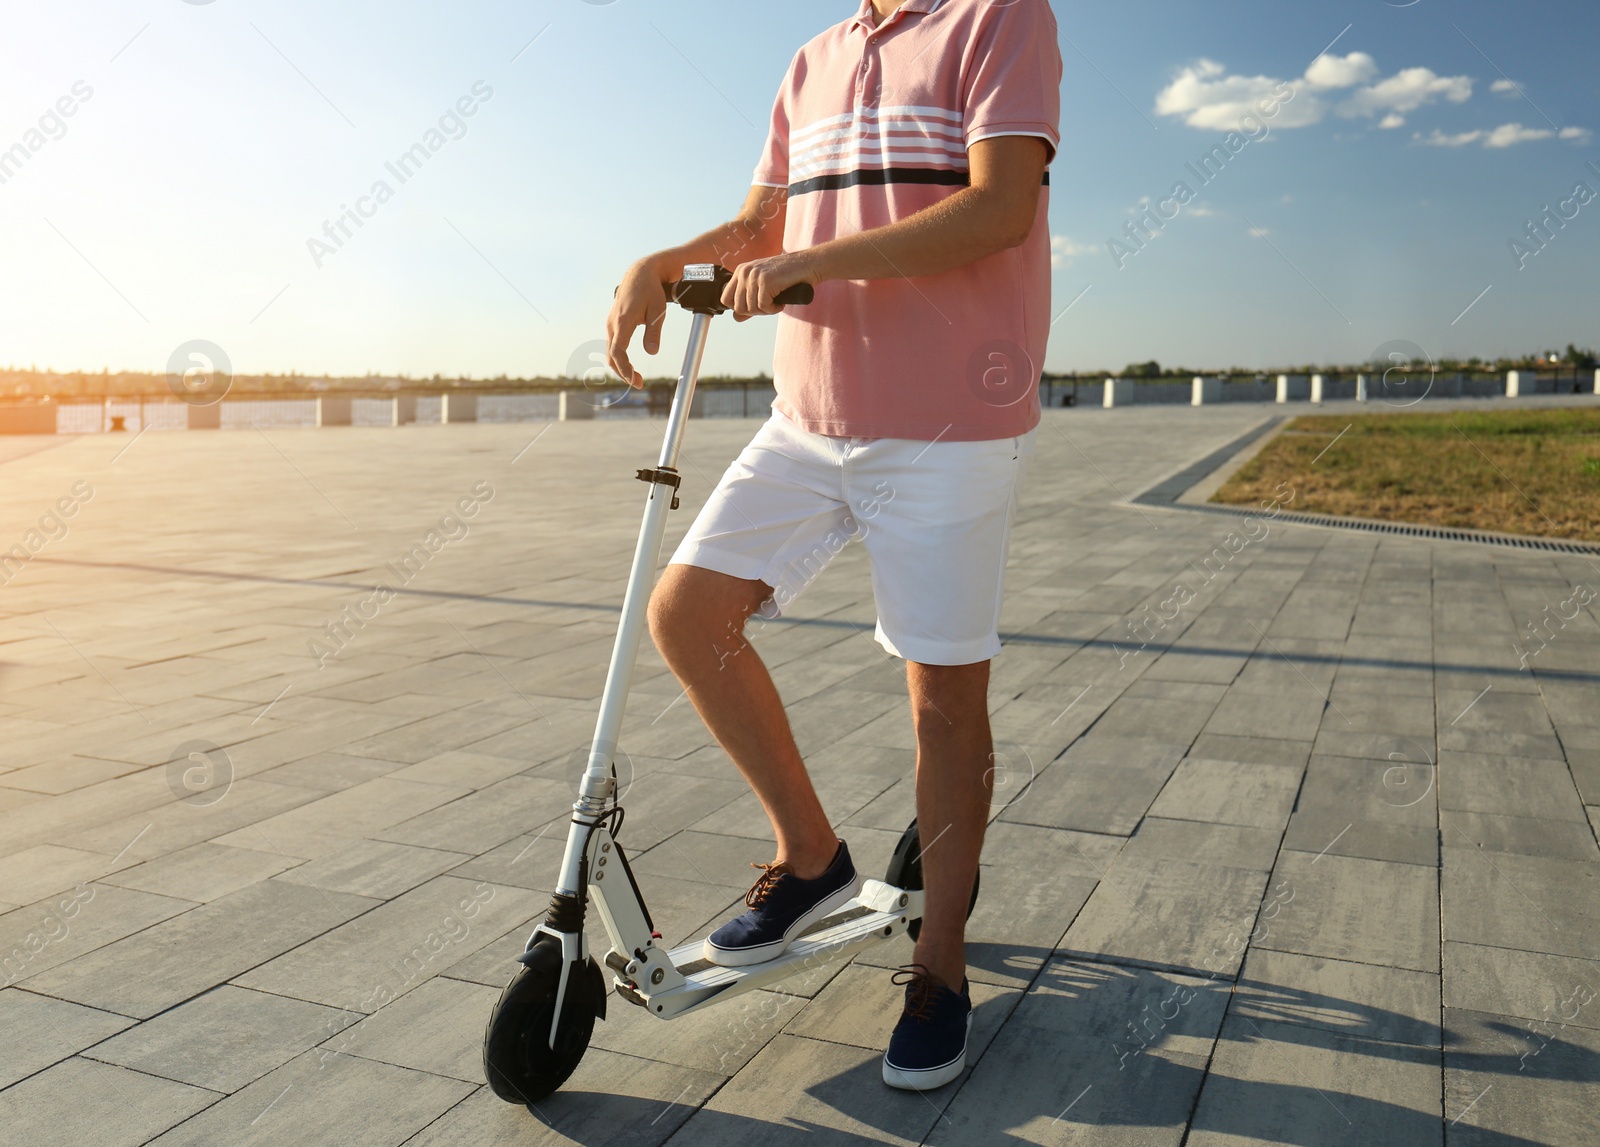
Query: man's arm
[
  {"x": 995, "y": 212},
  {"x": 755, "y": 233}
]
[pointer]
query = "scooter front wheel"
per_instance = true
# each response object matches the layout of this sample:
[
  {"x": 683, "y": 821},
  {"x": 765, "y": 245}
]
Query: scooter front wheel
[
  {"x": 519, "y": 1062},
  {"x": 905, "y": 871}
]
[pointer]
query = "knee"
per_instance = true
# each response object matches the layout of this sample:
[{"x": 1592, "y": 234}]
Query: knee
[
  {"x": 671, "y": 614},
  {"x": 690, "y": 606},
  {"x": 947, "y": 697}
]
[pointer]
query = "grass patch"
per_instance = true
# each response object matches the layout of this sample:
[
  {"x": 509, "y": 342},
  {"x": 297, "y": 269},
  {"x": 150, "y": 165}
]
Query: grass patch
[{"x": 1516, "y": 471}]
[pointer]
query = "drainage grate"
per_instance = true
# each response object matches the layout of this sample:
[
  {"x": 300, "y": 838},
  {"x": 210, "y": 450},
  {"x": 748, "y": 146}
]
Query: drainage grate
[
  {"x": 1436, "y": 533},
  {"x": 1166, "y": 493}
]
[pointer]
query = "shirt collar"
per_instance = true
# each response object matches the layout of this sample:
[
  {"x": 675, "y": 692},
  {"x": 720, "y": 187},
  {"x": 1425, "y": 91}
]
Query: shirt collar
[{"x": 919, "y": 7}]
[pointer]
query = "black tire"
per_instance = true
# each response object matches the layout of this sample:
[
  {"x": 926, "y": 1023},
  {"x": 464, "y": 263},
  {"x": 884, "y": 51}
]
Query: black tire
[
  {"x": 518, "y": 1062},
  {"x": 905, "y": 871}
]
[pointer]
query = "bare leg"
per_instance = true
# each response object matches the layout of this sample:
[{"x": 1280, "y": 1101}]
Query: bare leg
[
  {"x": 950, "y": 709},
  {"x": 697, "y": 619}
]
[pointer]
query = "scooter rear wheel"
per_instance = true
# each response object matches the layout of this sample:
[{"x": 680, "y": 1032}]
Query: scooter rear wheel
[
  {"x": 905, "y": 871},
  {"x": 518, "y": 1061}
]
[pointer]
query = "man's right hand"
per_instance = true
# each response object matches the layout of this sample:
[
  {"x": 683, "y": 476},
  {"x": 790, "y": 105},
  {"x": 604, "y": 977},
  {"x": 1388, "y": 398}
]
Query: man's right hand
[{"x": 641, "y": 302}]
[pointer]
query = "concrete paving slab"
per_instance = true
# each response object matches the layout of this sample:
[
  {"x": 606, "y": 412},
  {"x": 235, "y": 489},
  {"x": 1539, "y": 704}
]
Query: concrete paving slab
[
  {"x": 1383, "y": 809},
  {"x": 374, "y": 868},
  {"x": 38, "y": 937},
  {"x": 1528, "y": 836},
  {"x": 802, "y": 1090},
  {"x": 1085, "y": 790},
  {"x": 1284, "y": 1083},
  {"x": 1168, "y": 913},
  {"x": 1222, "y": 845},
  {"x": 369, "y": 1102},
  {"x": 348, "y": 814},
  {"x": 46, "y": 869},
  {"x": 711, "y": 857},
  {"x": 484, "y": 819},
  {"x": 362, "y": 964},
  {"x": 611, "y": 1099},
  {"x": 1094, "y": 1053},
  {"x": 861, "y": 1006},
  {"x": 1505, "y": 785},
  {"x": 1529, "y": 903},
  {"x": 1533, "y": 986},
  {"x": 1366, "y": 1001},
  {"x": 1585, "y": 765},
  {"x": 438, "y": 1028},
  {"x": 201, "y": 872},
  {"x": 80, "y": 1101},
  {"x": 1252, "y": 750},
  {"x": 1509, "y": 1081},
  {"x": 223, "y": 1039},
  {"x": 174, "y": 824},
  {"x": 1350, "y": 908},
  {"x": 205, "y": 946},
  {"x": 38, "y": 1031},
  {"x": 331, "y": 772},
  {"x": 1228, "y": 792},
  {"x": 1295, "y": 713},
  {"x": 720, "y": 1039},
  {"x": 531, "y": 861}
]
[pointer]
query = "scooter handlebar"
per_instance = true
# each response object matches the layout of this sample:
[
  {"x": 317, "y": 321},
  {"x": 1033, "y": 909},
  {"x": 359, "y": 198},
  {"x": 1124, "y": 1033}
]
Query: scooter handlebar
[
  {"x": 796, "y": 296},
  {"x": 700, "y": 290}
]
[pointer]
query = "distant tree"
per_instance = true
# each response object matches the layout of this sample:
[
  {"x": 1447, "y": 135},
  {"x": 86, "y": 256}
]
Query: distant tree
[
  {"x": 1582, "y": 356},
  {"x": 1151, "y": 369}
]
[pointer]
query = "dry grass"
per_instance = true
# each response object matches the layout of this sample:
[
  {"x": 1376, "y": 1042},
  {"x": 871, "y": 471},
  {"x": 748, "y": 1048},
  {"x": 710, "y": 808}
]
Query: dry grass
[{"x": 1515, "y": 471}]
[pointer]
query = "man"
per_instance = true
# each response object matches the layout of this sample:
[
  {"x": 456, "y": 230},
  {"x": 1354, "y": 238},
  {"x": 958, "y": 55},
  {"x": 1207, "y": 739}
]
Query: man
[{"x": 904, "y": 176}]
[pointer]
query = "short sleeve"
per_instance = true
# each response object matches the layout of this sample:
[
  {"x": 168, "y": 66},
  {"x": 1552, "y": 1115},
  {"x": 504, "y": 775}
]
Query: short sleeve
[
  {"x": 773, "y": 169},
  {"x": 1012, "y": 84}
]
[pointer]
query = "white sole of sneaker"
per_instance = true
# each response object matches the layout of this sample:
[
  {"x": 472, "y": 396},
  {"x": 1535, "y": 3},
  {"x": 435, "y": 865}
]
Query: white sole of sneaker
[
  {"x": 744, "y": 957},
  {"x": 928, "y": 1078}
]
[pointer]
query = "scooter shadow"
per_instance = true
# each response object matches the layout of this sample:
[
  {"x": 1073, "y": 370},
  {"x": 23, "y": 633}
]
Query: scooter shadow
[{"x": 1079, "y": 1059}]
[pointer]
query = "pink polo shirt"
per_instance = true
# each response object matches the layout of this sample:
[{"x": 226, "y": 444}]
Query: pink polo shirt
[{"x": 872, "y": 124}]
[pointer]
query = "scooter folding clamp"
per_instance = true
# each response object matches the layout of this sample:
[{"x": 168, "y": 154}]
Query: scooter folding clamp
[{"x": 664, "y": 476}]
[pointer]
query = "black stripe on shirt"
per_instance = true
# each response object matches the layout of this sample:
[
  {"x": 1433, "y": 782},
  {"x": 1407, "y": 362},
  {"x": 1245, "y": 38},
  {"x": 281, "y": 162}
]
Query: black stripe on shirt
[{"x": 878, "y": 176}]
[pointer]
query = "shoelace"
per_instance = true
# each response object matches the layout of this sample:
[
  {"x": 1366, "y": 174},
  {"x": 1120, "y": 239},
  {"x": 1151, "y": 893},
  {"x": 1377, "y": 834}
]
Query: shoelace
[
  {"x": 762, "y": 888},
  {"x": 919, "y": 1000}
]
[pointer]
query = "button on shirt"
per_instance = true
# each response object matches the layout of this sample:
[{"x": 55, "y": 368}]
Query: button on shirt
[{"x": 872, "y": 124}]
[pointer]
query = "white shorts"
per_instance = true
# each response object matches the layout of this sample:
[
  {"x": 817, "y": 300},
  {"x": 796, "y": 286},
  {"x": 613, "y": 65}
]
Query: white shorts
[{"x": 935, "y": 518}]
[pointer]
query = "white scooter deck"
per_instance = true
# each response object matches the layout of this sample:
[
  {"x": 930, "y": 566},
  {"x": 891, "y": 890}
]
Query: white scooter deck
[{"x": 878, "y": 914}]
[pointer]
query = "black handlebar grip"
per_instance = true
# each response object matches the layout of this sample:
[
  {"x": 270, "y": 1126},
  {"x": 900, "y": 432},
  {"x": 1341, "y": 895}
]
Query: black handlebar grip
[{"x": 796, "y": 296}]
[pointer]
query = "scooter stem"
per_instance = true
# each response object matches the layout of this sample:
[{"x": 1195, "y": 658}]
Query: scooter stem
[{"x": 597, "y": 783}]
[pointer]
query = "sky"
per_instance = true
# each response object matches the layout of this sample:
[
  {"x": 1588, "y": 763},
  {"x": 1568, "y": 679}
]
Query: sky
[{"x": 189, "y": 194}]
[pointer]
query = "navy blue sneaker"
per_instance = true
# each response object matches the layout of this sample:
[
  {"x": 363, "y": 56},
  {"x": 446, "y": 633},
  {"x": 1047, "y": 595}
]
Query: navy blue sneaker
[
  {"x": 929, "y": 1045},
  {"x": 782, "y": 906}
]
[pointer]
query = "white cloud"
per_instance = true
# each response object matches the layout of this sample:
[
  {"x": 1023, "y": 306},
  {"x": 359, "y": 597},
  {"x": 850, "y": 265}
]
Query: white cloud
[
  {"x": 1064, "y": 248},
  {"x": 1406, "y": 91},
  {"x": 1506, "y": 135},
  {"x": 1581, "y": 134},
  {"x": 1341, "y": 72},
  {"x": 1258, "y": 232},
  {"x": 1199, "y": 211},
  {"x": 1504, "y": 87},
  {"x": 1205, "y": 95},
  {"x": 1439, "y": 139},
  {"x": 1510, "y": 134}
]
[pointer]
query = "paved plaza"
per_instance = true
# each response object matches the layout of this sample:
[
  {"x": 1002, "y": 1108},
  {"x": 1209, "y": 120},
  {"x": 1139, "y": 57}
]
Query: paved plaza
[{"x": 1289, "y": 841}]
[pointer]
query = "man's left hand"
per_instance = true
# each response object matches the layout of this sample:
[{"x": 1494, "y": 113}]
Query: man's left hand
[{"x": 756, "y": 283}]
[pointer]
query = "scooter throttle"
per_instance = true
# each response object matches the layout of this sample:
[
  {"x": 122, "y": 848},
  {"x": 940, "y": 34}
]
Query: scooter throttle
[{"x": 796, "y": 296}]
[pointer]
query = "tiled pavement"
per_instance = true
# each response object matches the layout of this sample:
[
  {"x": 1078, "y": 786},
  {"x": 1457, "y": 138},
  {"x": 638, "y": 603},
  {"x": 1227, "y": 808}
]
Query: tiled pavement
[{"x": 1228, "y": 895}]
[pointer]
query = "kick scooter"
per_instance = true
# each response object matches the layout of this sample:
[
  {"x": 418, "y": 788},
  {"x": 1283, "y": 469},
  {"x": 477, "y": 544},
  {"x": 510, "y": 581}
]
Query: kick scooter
[{"x": 541, "y": 1025}]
